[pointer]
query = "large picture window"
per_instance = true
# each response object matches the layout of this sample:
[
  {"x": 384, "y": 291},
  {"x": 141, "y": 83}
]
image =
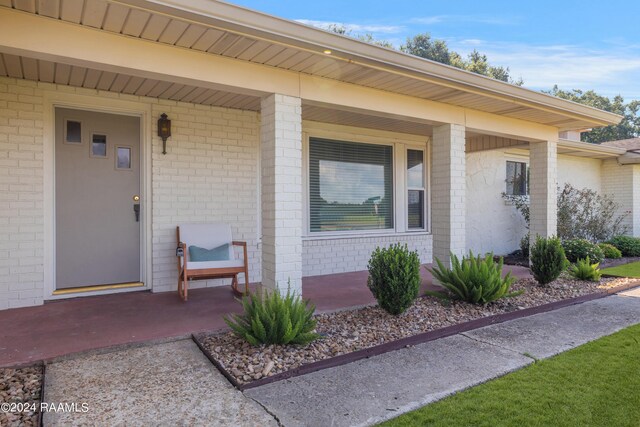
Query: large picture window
[{"x": 350, "y": 186}]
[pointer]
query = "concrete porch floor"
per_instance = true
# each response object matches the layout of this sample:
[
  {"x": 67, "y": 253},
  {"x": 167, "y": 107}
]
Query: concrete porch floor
[{"x": 67, "y": 326}]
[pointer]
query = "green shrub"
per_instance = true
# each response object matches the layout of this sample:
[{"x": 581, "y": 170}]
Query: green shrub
[
  {"x": 524, "y": 246},
  {"x": 270, "y": 318},
  {"x": 394, "y": 277},
  {"x": 547, "y": 259},
  {"x": 476, "y": 280},
  {"x": 584, "y": 270},
  {"x": 576, "y": 249},
  {"x": 610, "y": 251},
  {"x": 629, "y": 246}
]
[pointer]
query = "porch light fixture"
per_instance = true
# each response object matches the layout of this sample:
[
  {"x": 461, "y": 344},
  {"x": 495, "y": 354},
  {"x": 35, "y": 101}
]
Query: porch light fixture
[
  {"x": 327, "y": 51},
  {"x": 164, "y": 131}
]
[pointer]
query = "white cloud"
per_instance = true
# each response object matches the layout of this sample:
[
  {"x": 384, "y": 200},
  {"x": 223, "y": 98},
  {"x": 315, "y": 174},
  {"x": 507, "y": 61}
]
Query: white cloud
[
  {"x": 478, "y": 19},
  {"x": 609, "y": 72},
  {"x": 356, "y": 28}
]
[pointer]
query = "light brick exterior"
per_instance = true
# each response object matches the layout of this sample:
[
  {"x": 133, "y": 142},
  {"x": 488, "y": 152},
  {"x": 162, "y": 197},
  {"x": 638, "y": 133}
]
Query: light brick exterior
[
  {"x": 281, "y": 142},
  {"x": 543, "y": 185},
  {"x": 448, "y": 191},
  {"x": 339, "y": 255},
  {"x": 21, "y": 194},
  {"x": 620, "y": 181},
  {"x": 209, "y": 174}
]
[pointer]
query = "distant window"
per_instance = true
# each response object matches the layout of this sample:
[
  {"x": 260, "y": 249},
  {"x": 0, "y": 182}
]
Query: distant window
[
  {"x": 517, "y": 179},
  {"x": 350, "y": 186},
  {"x": 73, "y": 132},
  {"x": 99, "y": 145}
]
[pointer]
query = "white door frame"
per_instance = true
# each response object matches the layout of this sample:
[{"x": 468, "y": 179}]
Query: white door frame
[{"x": 53, "y": 99}]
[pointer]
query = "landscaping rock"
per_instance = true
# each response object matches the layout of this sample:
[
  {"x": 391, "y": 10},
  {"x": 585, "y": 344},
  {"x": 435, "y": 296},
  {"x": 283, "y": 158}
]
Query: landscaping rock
[
  {"x": 20, "y": 386},
  {"x": 351, "y": 330}
]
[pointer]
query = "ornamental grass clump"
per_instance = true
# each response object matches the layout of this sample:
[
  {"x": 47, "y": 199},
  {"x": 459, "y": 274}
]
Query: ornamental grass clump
[
  {"x": 270, "y": 318},
  {"x": 547, "y": 259},
  {"x": 475, "y": 280},
  {"x": 584, "y": 270},
  {"x": 394, "y": 277}
]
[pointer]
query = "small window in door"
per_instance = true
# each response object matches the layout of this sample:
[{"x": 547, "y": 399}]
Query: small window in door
[
  {"x": 73, "y": 132},
  {"x": 123, "y": 158},
  {"x": 99, "y": 145}
]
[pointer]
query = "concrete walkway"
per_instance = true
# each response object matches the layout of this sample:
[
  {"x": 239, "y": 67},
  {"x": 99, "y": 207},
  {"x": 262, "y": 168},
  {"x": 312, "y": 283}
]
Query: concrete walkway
[
  {"x": 171, "y": 384},
  {"x": 174, "y": 384},
  {"x": 383, "y": 387}
]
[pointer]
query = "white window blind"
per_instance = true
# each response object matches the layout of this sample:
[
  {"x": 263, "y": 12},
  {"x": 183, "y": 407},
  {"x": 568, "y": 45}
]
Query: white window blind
[{"x": 350, "y": 186}]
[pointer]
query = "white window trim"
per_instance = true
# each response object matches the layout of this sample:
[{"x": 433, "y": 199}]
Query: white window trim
[
  {"x": 400, "y": 144},
  {"x": 425, "y": 181},
  {"x": 512, "y": 157}
]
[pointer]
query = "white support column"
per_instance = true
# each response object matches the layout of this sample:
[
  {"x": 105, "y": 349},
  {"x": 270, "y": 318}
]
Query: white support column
[
  {"x": 281, "y": 142},
  {"x": 543, "y": 187},
  {"x": 448, "y": 189}
]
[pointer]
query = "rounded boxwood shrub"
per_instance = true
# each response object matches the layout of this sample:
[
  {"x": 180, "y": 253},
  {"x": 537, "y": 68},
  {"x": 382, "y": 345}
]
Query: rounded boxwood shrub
[
  {"x": 394, "y": 277},
  {"x": 576, "y": 249},
  {"x": 610, "y": 251},
  {"x": 547, "y": 259},
  {"x": 629, "y": 246}
]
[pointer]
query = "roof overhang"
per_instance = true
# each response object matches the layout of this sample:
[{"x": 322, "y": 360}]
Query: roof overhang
[
  {"x": 230, "y": 31},
  {"x": 585, "y": 149}
]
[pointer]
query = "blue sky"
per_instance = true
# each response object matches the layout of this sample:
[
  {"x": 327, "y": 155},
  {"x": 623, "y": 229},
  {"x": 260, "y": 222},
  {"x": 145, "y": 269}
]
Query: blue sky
[{"x": 575, "y": 44}]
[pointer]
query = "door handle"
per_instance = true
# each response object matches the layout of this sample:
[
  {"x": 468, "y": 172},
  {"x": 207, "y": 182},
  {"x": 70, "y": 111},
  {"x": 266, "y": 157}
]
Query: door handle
[{"x": 136, "y": 210}]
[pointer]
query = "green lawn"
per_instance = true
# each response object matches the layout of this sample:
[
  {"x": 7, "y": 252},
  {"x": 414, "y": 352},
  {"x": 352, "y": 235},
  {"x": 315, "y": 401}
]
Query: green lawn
[
  {"x": 597, "y": 384},
  {"x": 626, "y": 270}
]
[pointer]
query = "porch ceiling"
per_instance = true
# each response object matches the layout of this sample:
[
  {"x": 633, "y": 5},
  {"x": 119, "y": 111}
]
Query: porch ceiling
[{"x": 227, "y": 30}]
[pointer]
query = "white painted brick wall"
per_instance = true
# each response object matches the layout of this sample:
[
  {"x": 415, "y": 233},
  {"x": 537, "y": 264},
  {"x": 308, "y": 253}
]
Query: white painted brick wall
[
  {"x": 281, "y": 141},
  {"x": 21, "y": 194},
  {"x": 328, "y": 256},
  {"x": 620, "y": 181},
  {"x": 448, "y": 191},
  {"x": 543, "y": 163},
  {"x": 208, "y": 174}
]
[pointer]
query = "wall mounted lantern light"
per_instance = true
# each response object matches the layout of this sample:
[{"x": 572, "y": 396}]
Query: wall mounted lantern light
[{"x": 164, "y": 131}]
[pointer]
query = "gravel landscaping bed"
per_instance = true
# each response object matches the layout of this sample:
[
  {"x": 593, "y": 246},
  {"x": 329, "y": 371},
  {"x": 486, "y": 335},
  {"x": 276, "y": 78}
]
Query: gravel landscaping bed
[
  {"x": 348, "y": 331},
  {"x": 20, "y": 387}
]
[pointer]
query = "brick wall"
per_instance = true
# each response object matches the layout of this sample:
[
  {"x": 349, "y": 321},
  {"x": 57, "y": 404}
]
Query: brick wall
[
  {"x": 620, "y": 181},
  {"x": 208, "y": 174},
  {"x": 21, "y": 194},
  {"x": 339, "y": 255}
]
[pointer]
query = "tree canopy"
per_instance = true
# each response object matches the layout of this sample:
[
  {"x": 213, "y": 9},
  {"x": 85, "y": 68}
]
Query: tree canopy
[
  {"x": 629, "y": 127},
  {"x": 425, "y": 46}
]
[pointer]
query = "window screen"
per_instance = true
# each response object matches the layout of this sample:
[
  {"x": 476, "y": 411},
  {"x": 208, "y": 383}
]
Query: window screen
[{"x": 350, "y": 186}]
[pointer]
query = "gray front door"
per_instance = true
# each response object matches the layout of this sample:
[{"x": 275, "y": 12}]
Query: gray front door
[{"x": 97, "y": 170}]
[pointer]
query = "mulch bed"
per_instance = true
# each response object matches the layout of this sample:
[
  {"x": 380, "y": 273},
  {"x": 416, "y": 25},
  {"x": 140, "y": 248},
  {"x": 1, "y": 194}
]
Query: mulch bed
[
  {"x": 21, "y": 388},
  {"x": 354, "y": 330}
]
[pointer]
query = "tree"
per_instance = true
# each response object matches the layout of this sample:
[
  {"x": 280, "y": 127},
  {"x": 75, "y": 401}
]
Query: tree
[
  {"x": 629, "y": 127},
  {"x": 424, "y": 46},
  {"x": 367, "y": 37}
]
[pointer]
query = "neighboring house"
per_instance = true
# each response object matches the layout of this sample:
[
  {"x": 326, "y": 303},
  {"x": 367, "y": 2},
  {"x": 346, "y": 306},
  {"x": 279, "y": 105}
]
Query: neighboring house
[{"x": 315, "y": 147}]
